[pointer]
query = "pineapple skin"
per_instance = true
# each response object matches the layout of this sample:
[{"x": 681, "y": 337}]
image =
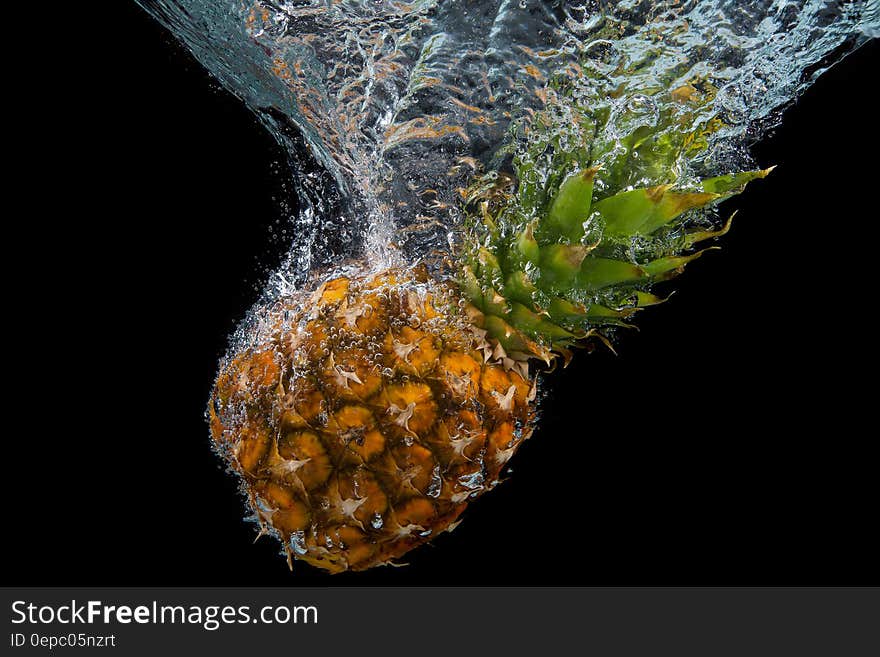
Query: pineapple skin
[{"x": 363, "y": 418}]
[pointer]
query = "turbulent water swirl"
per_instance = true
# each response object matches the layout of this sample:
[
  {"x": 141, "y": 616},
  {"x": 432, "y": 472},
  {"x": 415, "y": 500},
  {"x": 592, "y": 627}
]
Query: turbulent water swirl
[{"x": 388, "y": 108}]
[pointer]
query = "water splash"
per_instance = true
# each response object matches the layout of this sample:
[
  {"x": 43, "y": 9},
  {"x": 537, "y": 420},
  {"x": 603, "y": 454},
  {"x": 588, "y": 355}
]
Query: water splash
[{"x": 387, "y": 109}]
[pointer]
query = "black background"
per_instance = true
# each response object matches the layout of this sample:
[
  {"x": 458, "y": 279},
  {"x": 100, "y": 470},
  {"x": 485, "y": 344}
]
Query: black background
[{"x": 730, "y": 442}]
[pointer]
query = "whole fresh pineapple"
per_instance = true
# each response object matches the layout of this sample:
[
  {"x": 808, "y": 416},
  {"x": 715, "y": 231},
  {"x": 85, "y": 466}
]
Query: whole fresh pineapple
[{"x": 364, "y": 415}]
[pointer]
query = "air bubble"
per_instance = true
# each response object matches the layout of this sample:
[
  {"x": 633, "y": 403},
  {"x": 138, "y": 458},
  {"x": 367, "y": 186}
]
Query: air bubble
[
  {"x": 436, "y": 484},
  {"x": 298, "y": 542}
]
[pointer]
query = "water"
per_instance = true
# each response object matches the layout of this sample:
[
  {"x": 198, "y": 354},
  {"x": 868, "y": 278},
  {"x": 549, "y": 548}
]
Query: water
[{"x": 388, "y": 109}]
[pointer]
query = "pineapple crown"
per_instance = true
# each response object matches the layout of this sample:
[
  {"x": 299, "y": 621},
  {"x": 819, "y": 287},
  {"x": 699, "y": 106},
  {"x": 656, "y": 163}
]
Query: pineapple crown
[{"x": 569, "y": 247}]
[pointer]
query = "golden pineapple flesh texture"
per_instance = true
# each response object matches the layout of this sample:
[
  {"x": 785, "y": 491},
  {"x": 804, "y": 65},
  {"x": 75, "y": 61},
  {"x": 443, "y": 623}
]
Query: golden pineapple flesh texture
[{"x": 363, "y": 418}]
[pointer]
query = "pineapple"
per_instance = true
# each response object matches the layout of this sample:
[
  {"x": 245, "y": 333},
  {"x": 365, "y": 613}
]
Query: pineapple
[{"x": 365, "y": 415}]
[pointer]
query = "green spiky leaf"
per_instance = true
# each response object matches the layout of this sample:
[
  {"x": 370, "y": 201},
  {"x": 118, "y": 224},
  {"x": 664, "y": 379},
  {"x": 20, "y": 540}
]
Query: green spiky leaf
[
  {"x": 598, "y": 273},
  {"x": 571, "y": 207},
  {"x": 642, "y": 211},
  {"x": 733, "y": 183}
]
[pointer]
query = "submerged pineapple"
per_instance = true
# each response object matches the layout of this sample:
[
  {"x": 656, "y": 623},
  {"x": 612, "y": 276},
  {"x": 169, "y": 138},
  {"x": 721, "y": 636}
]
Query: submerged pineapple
[{"x": 364, "y": 416}]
